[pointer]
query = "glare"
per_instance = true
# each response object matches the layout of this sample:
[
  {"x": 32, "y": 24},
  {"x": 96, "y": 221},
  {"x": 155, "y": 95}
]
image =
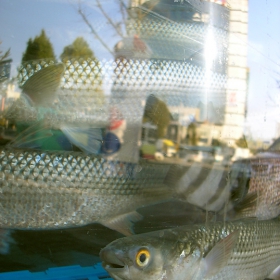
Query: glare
[
  {"x": 210, "y": 54},
  {"x": 210, "y": 49}
]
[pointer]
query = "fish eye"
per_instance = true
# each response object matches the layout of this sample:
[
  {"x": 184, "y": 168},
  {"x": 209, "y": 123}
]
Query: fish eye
[{"x": 142, "y": 257}]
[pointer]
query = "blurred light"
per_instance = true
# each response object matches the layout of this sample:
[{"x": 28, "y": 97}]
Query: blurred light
[{"x": 210, "y": 50}]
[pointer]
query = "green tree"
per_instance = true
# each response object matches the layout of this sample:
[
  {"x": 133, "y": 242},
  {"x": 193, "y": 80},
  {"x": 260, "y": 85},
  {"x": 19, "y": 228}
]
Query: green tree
[
  {"x": 87, "y": 71},
  {"x": 78, "y": 49},
  {"x": 38, "y": 48},
  {"x": 241, "y": 142}
]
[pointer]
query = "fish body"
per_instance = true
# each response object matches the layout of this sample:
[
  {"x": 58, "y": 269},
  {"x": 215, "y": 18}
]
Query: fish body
[
  {"x": 48, "y": 190},
  {"x": 245, "y": 249}
]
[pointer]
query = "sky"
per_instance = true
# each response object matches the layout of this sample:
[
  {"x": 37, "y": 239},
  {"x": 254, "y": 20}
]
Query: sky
[
  {"x": 264, "y": 64},
  {"x": 24, "y": 19}
]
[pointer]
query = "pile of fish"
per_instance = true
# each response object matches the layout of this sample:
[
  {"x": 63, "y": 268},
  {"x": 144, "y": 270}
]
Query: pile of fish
[
  {"x": 243, "y": 245},
  {"x": 42, "y": 189}
]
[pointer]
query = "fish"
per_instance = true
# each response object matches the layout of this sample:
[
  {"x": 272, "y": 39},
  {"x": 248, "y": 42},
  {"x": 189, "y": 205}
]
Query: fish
[
  {"x": 244, "y": 249},
  {"x": 59, "y": 189}
]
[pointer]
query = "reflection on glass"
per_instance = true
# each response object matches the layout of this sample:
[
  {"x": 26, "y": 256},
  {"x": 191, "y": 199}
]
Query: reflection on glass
[{"x": 131, "y": 116}]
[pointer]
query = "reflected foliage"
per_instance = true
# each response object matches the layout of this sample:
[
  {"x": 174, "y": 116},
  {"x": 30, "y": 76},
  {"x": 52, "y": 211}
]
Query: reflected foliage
[
  {"x": 78, "y": 49},
  {"x": 38, "y": 48},
  {"x": 241, "y": 142},
  {"x": 157, "y": 113}
]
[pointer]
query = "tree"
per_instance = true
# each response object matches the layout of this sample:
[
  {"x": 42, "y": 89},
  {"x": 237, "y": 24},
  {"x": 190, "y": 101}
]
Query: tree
[
  {"x": 5, "y": 55},
  {"x": 157, "y": 113},
  {"x": 241, "y": 142},
  {"x": 78, "y": 49},
  {"x": 87, "y": 71},
  {"x": 38, "y": 48}
]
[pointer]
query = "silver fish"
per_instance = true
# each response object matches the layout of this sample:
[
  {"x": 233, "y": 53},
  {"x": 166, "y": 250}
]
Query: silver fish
[
  {"x": 245, "y": 249},
  {"x": 50, "y": 190}
]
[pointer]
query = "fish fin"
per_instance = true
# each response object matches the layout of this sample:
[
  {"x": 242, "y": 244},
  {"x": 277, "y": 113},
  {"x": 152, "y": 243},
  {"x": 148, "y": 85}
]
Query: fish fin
[
  {"x": 41, "y": 86},
  {"x": 219, "y": 255},
  {"x": 29, "y": 137},
  {"x": 274, "y": 275},
  {"x": 88, "y": 140},
  {"x": 123, "y": 223},
  {"x": 5, "y": 240},
  {"x": 247, "y": 207}
]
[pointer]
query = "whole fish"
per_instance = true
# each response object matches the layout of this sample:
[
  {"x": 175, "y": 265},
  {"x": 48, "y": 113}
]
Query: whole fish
[
  {"x": 51, "y": 190},
  {"x": 245, "y": 249}
]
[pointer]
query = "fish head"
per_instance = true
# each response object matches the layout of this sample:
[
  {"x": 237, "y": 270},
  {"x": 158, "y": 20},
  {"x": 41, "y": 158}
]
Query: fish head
[
  {"x": 137, "y": 257},
  {"x": 158, "y": 255}
]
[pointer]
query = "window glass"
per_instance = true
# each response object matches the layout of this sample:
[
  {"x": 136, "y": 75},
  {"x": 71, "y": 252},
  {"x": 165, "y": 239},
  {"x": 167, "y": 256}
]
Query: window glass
[{"x": 125, "y": 117}]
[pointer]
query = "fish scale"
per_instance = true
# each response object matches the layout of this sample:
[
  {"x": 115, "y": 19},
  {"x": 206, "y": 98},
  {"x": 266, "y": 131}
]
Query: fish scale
[{"x": 58, "y": 189}]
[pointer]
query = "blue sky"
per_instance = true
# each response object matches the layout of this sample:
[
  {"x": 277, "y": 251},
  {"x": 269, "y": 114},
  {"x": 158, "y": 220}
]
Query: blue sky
[{"x": 24, "y": 19}]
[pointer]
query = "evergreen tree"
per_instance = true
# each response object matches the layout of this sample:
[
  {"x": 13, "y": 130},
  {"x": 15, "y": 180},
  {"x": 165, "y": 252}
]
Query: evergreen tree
[
  {"x": 38, "y": 48},
  {"x": 81, "y": 76},
  {"x": 78, "y": 49}
]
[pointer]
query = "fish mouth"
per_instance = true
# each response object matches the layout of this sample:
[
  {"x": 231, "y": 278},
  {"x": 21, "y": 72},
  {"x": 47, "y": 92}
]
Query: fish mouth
[{"x": 111, "y": 261}]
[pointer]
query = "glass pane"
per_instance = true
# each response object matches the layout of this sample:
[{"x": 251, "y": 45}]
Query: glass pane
[{"x": 125, "y": 117}]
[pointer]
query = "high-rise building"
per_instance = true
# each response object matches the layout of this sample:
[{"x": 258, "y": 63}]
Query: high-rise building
[
  {"x": 210, "y": 37},
  {"x": 237, "y": 72}
]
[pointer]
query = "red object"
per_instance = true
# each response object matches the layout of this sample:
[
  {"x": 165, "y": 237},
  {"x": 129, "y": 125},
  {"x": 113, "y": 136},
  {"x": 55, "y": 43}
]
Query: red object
[
  {"x": 116, "y": 119},
  {"x": 115, "y": 124}
]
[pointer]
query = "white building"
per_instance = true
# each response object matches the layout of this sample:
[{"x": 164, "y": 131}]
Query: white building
[{"x": 235, "y": 110}]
